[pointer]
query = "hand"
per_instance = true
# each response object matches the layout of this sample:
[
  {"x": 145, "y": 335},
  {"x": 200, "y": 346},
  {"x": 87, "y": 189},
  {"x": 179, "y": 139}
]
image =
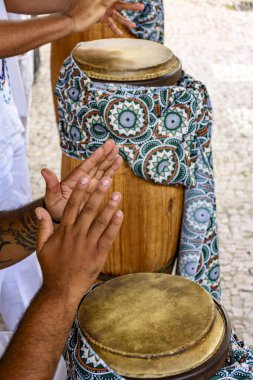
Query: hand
[
  {"x": 102, "y": 162},
  {"x": 113, "y": 13},
  {"x": 72, "y": 257},
  {"x": 84, "y": 13}
]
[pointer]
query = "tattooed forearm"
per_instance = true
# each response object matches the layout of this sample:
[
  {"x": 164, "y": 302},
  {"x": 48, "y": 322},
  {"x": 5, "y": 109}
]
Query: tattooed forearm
[
  {"x": 18, "y": 233},
  {"x": 26, "y": 234}
]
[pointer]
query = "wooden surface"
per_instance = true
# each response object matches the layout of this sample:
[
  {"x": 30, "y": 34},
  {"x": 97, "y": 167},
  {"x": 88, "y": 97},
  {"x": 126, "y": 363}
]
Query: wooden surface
[{"x": 149, "y": 237}]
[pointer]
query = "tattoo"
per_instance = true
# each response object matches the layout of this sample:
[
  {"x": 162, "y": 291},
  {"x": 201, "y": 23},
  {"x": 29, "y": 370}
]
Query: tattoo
[
  {"x": 26, "y": 234},
  {"x": 18, "y": 233},
  {"x": 3, "y": 242}
]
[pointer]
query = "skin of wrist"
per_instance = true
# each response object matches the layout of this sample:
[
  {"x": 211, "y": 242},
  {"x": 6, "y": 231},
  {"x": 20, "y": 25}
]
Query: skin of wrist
[
  {"x": 67, "y": 296},
  {"x": 70, "y": 24}
]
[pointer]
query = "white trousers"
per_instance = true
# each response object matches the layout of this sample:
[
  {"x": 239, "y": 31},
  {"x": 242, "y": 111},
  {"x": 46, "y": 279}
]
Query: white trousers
[{"x": 5, "y": 337}]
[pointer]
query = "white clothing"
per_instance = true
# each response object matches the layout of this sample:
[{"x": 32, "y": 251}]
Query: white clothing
[
  {"x": 5, "y": 337},
  {"x": 19, "y": 283},
  {"x": 21, "y": 70}
]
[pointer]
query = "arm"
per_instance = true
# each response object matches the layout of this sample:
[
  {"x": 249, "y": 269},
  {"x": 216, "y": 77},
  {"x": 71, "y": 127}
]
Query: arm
[
  {"x": 18, "y": 228},
  {"x": 36, "y": 7},
  {"x": 18, "y": 234},
  {"x": 17, "y": 37},
  {"x": 71, "y": 260}
]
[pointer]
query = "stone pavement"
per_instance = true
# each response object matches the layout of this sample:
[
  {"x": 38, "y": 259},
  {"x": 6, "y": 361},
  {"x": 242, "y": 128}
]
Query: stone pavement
[{"x": 215, "y": 45}]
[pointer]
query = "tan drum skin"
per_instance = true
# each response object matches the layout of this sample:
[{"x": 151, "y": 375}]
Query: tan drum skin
[
  {"x": 61, "y": 48},
  {"x": 150, "y": 325},
  {"x": 149, "y": 238}
]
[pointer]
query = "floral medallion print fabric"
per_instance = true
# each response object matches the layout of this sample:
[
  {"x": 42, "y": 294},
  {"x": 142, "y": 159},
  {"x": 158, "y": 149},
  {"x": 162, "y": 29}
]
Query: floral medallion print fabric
[
  {"x": 149, "y": 22},
  {"x": 164, "y": 134}
]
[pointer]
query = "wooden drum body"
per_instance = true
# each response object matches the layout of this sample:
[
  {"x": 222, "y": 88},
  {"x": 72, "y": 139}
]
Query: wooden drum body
[{"x": 149, "y": 238}]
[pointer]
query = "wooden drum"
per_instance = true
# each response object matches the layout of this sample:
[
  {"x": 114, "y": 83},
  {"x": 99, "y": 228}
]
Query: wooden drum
[
  {"x": 61, "y": 48},
  {"x": 151, "y": 326},
  {"x": 149, "y": 238}
]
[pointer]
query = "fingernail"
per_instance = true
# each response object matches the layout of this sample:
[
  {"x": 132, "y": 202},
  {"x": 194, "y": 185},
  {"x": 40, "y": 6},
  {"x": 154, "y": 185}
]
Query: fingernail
[
  {"x": 119, "y": 214},
  {"x": 84, "y": 180},
  {"x": 115, "y": 196},
  {"x": 105, "y": 182},
  {"x": 38, "y": 216}
]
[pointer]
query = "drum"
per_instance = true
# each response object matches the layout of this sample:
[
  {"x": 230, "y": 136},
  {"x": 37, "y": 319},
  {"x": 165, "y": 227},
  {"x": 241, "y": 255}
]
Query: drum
[
  {"x": 151, "y": 326},
  {"x": 61, "y": 48},
  {"x": 149, "y": 238}
]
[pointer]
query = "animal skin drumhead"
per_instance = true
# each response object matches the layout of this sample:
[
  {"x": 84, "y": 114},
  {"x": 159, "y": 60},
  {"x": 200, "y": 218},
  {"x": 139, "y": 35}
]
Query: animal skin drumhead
[{"x": 150, "y": 324}]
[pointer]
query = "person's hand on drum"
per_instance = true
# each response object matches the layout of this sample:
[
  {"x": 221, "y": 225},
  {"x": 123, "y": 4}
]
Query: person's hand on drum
[
  {"x": 84, "y": 13},
  {"x": 103, "y": 162},
  {"x": 72, "y": 257},
  {"x": 113, "y": 13}
]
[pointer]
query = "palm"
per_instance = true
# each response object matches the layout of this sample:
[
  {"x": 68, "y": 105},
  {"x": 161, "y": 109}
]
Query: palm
[{"x": 102, "y": 162}]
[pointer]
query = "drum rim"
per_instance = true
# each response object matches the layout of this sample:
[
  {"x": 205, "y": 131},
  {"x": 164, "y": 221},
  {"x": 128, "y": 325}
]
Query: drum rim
[
  {"x": 97, "y": 344},
  {"x": 212, "y": 365},
  {"x": 149, "y": 76}
]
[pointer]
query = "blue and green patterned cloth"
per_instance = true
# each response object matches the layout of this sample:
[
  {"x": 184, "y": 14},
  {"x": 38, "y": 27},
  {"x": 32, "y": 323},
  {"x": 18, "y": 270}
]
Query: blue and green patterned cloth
[
  {"x": 165, "y": 136},
  {"x": 149, "y": 22}
]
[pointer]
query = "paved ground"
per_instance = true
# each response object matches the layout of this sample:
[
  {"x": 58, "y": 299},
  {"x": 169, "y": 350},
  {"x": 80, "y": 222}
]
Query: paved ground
[{"x": 215, "y": 45}]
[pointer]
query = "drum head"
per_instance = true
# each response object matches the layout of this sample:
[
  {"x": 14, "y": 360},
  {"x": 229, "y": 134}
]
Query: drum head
[
  {"x": 126, "y": 59},
  {"x": 151, "y": 325}
]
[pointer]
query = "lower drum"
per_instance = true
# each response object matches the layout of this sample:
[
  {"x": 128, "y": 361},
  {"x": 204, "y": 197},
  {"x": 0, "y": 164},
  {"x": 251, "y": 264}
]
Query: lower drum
[{"x": 149, "y": 326}]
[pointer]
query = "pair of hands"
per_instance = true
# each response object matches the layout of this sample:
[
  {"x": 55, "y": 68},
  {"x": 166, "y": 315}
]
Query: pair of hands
[
  {"x": 84, "y": 13},
  {"x": 73, "y": 255}
]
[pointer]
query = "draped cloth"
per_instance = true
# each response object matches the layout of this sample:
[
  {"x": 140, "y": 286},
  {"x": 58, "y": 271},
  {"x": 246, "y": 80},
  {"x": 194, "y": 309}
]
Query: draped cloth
[
  {"x": 149, "y": 22},
  {"x": 164, "y": 134}
]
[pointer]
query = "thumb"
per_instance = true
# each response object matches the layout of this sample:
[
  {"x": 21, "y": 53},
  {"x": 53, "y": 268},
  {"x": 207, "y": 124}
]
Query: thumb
[
  {"x": 45, "y": 229},
  {"x": 52, "y": 182}
]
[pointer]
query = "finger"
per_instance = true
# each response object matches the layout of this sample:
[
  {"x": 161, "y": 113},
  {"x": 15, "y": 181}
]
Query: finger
[
  {"x": 45, "y": 229},
  {"x": 52, "y": 183},
  {"x": 92, "y": 206},
  {"x": 103, "y": 219},
  {"x": 90, "y": 165},
  {"x": 107, "y": 239},
  {"x": 111, "y": 171},
  {"x": 107, "y": 163},
  {"x": 121, "y": 5},
  {"x": 111, "y": 24},
  {"x": 78, "y": 197},
  {"x": 123, "y": 20}
]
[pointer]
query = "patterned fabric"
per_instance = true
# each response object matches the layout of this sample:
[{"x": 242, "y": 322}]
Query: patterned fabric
[
  {"x": 4, "y": 80},
  {"x": 165, "y": 136},
  {"x": 150, "y": 22}
]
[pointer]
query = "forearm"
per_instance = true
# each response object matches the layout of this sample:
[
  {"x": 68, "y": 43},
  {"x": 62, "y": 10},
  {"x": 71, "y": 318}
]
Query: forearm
[
  {"x": 36, "y": 7},
  {"x": 17, "y": 37},
  {"x": 39, "y": 341},
  {"x": 18, "y": 234}
]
